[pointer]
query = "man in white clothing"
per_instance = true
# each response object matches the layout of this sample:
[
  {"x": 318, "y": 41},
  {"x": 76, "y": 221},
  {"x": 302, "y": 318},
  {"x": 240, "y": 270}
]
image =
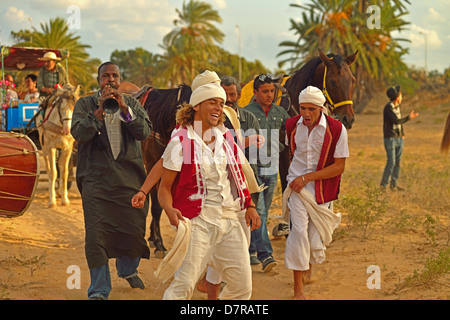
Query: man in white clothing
[
  {"x": 319, "y": 148},
  {"x": 203, "y": 181}
]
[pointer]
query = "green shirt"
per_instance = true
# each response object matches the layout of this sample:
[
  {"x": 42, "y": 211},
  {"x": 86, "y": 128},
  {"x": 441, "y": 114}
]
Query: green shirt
[
  {"x": 271, "y": 126},
  {"x": 48, "y": 79}
]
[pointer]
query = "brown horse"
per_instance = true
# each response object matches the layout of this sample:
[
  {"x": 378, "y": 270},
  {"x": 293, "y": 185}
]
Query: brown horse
[{"x": 331, "y": 74}]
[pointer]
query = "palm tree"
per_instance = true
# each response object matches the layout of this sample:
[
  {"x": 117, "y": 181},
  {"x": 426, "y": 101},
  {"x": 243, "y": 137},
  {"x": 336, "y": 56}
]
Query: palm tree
[
  {"x": 191, "y": 46},
  {"x": 340, "y": 26},
  {"x": 56, "y": 35}
]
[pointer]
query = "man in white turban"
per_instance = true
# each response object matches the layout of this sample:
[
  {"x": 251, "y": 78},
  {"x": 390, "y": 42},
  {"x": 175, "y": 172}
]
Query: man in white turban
[
  {"x": 317, "y": 165},
  {"x": 208, "y": 188}
]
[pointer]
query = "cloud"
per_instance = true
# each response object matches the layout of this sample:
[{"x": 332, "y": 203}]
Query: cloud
[
  {"x": 221, "y": 4},
  {"x": 416, "y": 35},
  {"x": 16, "y": 16},
  {"x": 435, "y": 16}
]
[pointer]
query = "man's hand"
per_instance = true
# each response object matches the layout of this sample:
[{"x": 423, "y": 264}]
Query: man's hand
[
  {"x": 413, "y": 114},
  {"x": 252, "y": 216},
  {"x": 174, "y": 216},
  {"x": 256, "y": 140},
  {"x": 110, "y": 92},
  {"x": 298, "y": 184},
  {"x": 138, "y": 200}
]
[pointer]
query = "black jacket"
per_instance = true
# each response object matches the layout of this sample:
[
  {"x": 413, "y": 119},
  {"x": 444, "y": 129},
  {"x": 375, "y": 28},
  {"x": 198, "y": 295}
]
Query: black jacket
[{"x": 389, "y": 119}]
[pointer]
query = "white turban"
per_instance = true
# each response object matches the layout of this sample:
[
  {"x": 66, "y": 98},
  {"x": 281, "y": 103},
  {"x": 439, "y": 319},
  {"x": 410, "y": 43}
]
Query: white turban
[
  {"x": 205, "y": 78},
  {"x": 312, "y": 95},
  {"x": 206, "y": 92}
]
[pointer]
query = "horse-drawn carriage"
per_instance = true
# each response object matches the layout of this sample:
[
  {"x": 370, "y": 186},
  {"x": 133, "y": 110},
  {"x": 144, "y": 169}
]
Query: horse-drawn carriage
[{"x": 19, "y": 138}]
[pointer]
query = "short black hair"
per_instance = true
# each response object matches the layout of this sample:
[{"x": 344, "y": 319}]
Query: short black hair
[
  {"x": 106, "y": 64},
  {"x": 32, "y": 76},
  {"x": 262, "y": 79}
]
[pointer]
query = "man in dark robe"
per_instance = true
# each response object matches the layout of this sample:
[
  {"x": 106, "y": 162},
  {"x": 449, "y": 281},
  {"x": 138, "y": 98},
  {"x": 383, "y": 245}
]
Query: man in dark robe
[{"x": 110, "y": 170}]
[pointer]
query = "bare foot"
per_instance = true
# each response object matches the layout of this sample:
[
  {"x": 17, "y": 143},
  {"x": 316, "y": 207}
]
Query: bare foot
[
  {"x": 299, "y": 295},
  {"x": 202, "y": 285},
  {"x": 306, "y": 277}
]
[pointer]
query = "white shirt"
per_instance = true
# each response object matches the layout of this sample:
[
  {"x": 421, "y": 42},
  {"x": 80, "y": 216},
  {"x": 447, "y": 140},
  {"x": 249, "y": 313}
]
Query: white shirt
[
  {"x": 214, "y": 170},
  {"x": 309, "y": 147}
]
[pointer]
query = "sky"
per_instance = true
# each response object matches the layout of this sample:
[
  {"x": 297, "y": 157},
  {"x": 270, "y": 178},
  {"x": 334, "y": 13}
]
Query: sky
[{"x": 107, "y": 25}]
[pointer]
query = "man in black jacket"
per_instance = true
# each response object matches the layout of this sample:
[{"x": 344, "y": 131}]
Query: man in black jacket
[{"x": 393, "y": 136}]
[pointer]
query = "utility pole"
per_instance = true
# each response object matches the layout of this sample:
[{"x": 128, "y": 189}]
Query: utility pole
[
  {"x": 240, "y": 45},
  {"x": 426, "y": 53}
]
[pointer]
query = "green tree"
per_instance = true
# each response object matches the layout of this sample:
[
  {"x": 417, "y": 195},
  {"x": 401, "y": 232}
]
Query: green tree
[
  {"x": 341, "y": 27},
  {"x": 138, "y": 66},
  {"x": 56, "y": 35},
  {"x": 192, "y": 45}
]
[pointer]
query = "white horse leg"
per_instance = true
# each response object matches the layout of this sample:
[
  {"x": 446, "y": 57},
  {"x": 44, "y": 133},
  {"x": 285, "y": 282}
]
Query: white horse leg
[
  {"x": 63, "y": 165},
  {"x": 50, "y": 160}
]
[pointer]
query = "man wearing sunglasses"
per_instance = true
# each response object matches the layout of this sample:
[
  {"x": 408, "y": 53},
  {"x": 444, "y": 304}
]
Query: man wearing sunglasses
[{"x": 271, "y": 119}]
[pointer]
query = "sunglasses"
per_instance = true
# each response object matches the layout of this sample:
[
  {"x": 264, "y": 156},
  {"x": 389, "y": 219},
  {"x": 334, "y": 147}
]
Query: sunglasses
[{"x": 266, "y": 78}]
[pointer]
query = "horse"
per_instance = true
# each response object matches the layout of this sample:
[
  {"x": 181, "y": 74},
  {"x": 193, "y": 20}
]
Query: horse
[
  {"x": 331, "y": 74},
  {"x": 54, "y": 133}
]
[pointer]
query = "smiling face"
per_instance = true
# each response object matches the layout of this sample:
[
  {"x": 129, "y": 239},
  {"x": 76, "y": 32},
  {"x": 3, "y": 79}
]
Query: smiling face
[
  {"x": 310, "y": 113},
  {"x": 209, "y": 112}
]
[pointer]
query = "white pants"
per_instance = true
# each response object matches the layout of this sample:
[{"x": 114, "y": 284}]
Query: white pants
[
  {"x": 303, "y": 245},
  {"x": 214, "y": 277},
  {"x": 225, "y": 249}
]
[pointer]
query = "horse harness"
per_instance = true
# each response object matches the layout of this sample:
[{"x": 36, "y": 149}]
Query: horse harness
[
  {"x": 47, "y": 125},
  {"x": 327, "y": 95}
]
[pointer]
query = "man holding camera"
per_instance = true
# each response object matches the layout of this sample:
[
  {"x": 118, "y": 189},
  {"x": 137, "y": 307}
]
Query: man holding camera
[{"x": 110, "y": 170}]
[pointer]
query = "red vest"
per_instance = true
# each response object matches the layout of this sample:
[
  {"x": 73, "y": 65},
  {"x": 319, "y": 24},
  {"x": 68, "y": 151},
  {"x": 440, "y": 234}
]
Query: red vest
[
  {"x": 189, "y": 186},
  {"x": 326, "y": 189}
]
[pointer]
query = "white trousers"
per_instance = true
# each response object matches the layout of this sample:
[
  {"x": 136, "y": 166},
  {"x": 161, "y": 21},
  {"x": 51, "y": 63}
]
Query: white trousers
[
  {"x": 303, "y": 245},
  {"x": 214, "y": 277},
  {"x": 225, "y": 249}
]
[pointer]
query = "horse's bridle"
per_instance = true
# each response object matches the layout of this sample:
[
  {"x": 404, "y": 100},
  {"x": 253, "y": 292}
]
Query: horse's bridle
[{"x": 327, "y": 95}]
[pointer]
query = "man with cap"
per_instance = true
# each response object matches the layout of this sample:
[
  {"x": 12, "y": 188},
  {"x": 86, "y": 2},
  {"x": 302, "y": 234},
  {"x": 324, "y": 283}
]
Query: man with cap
[
  {"x": 51, "y": 74},
  {"x": 319, "y": 148},
  {"x": 393, "y": 136},
  {"x": 203, "y": 182}
]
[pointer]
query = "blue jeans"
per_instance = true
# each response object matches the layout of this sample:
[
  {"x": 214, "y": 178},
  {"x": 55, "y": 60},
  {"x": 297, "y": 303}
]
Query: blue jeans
[
  {"x": 394, "y": 148},
  {"x": 101, "y": 278},
  {"x": 260, "y": 242}
]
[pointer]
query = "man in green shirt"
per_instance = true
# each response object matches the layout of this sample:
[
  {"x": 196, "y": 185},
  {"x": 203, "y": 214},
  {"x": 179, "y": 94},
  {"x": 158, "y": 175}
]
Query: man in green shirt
[
  {"x": 50, "y": 75},
  {"x": 271, "y": 118}
]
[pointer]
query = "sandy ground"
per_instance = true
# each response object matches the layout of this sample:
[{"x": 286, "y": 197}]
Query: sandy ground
[{"x": 39, "y": 249}]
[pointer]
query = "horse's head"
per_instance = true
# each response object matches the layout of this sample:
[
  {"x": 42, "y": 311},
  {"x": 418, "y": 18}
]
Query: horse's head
[
  {"x": 66, "y": 97},
  {"x": 337, "y": 84}
]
